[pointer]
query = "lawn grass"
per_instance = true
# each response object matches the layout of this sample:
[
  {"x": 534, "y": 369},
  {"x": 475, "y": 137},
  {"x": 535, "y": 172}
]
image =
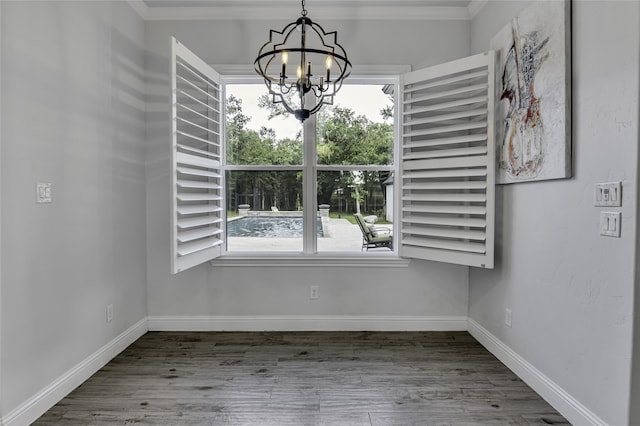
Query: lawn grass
[
  {"x": 351, "y": 219},
  {"x": 347, "y": 216}
]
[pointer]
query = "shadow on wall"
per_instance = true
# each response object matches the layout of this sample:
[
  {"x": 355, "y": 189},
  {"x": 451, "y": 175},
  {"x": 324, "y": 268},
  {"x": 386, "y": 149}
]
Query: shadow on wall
[
  {"x": 128, "y": 106},
  {"x": 157, "y": 81}
]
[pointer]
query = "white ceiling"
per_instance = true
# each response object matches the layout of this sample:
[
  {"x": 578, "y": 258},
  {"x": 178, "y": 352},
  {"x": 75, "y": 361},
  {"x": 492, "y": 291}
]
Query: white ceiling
[{"x": 331, "y": 9}]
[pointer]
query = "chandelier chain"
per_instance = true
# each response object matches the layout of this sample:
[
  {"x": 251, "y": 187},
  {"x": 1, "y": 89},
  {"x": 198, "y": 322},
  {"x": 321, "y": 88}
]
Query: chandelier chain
[{"x": 304, "y": 9}]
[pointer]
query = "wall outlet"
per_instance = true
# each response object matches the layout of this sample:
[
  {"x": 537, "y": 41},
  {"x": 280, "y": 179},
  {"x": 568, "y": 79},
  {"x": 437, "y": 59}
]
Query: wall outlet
[
  {"x": 610, "y": 223},
  {"x": 109, "y": 313},
  {"x": 507, "y": 317},
  {"x": 608, "y": 194},
  {"x": 43, "y": 192},
  {"x": 314, "y": 292}
]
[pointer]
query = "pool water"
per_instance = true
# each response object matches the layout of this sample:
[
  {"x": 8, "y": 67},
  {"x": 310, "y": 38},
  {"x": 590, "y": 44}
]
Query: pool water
[{"x": 268, "y": 227}]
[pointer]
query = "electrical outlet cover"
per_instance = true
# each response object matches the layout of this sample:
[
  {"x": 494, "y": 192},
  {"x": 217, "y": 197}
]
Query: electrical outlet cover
[
  {"x": 43, "y": 192},
  {"x": 314, "y": 292},
  {"x": 109, "y": 313},
  {"x": 608, "y": 194},
  {"x": 610, "y": 224}
]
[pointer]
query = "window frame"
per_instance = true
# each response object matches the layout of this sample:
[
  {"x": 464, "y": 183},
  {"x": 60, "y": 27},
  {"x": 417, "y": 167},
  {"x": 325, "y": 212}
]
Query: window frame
[
  {"x": 434, "y": 217},
  {"x": 309, "y": 256}
]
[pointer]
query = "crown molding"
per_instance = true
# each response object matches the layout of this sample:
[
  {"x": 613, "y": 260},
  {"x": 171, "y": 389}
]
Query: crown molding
[
  {"x": 279, "y": 12},
  {"x": 475, "y": 7},
  {"x": 140, "y": 7}
]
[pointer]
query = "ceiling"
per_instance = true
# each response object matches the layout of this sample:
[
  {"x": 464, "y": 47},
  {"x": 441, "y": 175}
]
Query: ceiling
[{"x": 331, "y": 9}]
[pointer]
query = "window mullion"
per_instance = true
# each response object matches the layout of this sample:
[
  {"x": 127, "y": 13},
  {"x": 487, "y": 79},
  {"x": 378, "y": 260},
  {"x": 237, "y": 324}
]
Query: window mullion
[{"x": 309, "y": 182}]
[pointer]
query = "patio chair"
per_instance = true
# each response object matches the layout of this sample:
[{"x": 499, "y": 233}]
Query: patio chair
[{"x": 374, "y": 236}]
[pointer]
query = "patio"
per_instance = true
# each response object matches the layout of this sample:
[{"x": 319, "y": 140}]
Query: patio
[{"x": 339, "y": 235}]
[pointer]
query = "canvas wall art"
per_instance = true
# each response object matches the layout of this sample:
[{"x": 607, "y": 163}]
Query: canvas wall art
[{"x": 533, "y": 117}]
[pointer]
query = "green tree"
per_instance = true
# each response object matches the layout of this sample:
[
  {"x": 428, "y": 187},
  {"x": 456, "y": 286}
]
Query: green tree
[
  {"x": 260, "y": 189},
  {"x": 348, "y": 138},
  {"x": 265, "y": 101},
  {"x": 354, "y": 139},
  {"x": 344, "y": 138}
]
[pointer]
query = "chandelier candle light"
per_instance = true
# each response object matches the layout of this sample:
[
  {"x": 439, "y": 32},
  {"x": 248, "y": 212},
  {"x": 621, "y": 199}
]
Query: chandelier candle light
[{"x": 306, "y": 46}]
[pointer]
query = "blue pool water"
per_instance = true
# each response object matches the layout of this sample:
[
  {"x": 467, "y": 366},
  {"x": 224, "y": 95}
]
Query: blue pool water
[{"x": 268, "y": 227}]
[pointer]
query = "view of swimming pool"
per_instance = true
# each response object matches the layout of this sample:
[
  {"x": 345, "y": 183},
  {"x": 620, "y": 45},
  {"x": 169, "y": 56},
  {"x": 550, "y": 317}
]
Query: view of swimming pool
[{"x": 268, "y": 227}]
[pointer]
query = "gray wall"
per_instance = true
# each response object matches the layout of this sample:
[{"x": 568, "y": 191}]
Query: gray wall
[
  {"x": 73, "y": 82},
  {"x": 73, "y": 115},
  {"x": 571, "y": 290},
  {"x": 422, "y": 289}
]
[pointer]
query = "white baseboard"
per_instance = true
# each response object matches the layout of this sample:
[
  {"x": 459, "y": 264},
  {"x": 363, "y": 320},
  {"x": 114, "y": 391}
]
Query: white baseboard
[
  {"x": 37, "y": 405},
  {"x": 562, "y": 401},
  {"x": 307, "y": 323},
  {"x": 34, "y": 407}
]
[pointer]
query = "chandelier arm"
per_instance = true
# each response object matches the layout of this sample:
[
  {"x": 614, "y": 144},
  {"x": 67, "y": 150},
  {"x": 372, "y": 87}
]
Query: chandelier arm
[
  {"x": 283, "y": 102},
  {"x": 319, "y": 91}
]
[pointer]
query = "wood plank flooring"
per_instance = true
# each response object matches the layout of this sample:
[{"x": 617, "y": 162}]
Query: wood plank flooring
[{"x": 304, "y": 378}]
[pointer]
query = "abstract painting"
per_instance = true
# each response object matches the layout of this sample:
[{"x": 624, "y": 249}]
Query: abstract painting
[{"x": 533, "y": 107}]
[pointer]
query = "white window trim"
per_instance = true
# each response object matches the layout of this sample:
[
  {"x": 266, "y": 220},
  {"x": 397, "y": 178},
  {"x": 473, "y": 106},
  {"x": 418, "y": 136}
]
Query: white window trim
[
  {"x": 238, "y": 74},
  {"x": 331, "y": 260},
  {"x": 411, "y": 233}
]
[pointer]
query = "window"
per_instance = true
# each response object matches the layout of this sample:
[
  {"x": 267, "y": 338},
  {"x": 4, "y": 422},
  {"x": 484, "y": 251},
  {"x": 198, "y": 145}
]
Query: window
[
  {"x": 231, "y": 183},
  {"x": 295, "y": 188}
]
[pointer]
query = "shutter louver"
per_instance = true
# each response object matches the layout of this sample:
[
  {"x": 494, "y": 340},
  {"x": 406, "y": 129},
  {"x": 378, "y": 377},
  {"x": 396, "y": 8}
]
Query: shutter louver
[
  {"x": 196, "y": 158},
  {"x": 447, "y": 165}
]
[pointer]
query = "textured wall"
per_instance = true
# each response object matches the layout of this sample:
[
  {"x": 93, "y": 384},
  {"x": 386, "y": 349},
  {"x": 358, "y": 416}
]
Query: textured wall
[
  {"x": 422, "y": 289},
  {"x": 73, "y": 115},
  {"x": 571, "y": 290}
]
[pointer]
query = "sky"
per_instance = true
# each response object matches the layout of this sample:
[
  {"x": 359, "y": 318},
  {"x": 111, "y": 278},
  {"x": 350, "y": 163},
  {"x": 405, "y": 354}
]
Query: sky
[{"x": 363, "y": 99}]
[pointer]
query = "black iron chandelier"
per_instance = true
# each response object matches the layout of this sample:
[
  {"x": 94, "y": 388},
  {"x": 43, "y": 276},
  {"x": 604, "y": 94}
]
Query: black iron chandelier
[{"x": 289, "y": 63}]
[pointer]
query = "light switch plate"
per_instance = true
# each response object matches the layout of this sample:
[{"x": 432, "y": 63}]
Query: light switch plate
[
  {"x": 608, "y": 194},
  {"x": 610, "y": 223},
  {"x": 43, "y": 192}
]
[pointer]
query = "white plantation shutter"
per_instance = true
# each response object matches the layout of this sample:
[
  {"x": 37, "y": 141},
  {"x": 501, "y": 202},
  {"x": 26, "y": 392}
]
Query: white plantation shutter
[
  {"x": 196, "y": 178},
  {"x": 447, "y": 165}
]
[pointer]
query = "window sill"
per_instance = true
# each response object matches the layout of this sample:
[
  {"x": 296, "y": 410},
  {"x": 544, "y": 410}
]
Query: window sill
[{"x": 261, "y": 260}]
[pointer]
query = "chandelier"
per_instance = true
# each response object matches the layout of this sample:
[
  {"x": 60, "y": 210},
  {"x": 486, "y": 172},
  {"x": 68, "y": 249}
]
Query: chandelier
[{"x": 303, "y": 66}]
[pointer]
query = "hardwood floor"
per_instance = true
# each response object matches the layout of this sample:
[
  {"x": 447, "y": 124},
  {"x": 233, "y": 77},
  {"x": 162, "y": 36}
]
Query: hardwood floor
[{"x": 304, "y": 378}]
